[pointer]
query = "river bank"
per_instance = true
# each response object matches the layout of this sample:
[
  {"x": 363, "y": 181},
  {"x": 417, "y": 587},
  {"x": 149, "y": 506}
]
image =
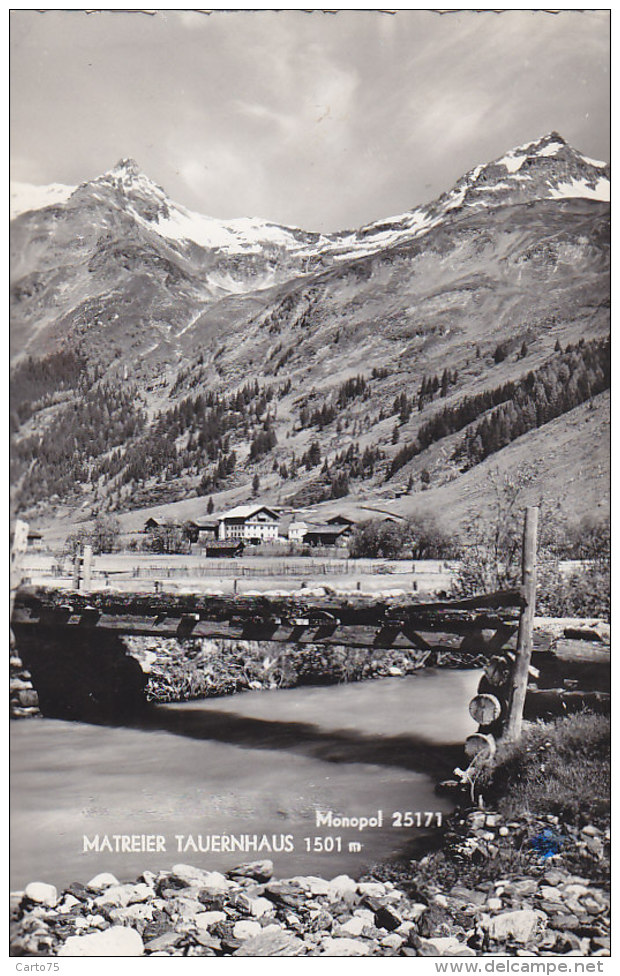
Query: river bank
[
  {"x": 540, "y": 908},
  {"x": 527, "y": 876},
  {"x": 208, "y": 668}
]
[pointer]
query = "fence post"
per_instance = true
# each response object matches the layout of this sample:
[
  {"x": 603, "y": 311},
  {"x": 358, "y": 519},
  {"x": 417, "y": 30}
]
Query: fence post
[
  {"x": 526, "y": 624},
  {"x": 20, "y": 546},
  {"x": 77, "y": 566},
  {"x": 87, "y": 566}
]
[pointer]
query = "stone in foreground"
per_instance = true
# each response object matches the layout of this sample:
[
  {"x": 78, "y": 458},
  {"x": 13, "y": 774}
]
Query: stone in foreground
[
  {"x": 43, "y": 894},
  {"x": 117, "y": 941}
]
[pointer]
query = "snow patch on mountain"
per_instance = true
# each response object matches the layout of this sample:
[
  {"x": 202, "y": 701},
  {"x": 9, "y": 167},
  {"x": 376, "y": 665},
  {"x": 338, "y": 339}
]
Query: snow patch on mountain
[
  {"x": 239, "y": 235},
  {"x": 599, "y": 163},
  {"x": 582, "y": 188},
  {"x": 27, "y": 196}
]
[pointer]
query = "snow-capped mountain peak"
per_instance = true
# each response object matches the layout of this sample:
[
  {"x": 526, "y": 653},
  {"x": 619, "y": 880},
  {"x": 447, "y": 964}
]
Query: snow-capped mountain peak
[{"x": 546, "y": 168}]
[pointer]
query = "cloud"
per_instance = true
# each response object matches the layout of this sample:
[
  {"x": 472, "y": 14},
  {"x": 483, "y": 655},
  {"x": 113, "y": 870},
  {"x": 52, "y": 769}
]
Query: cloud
[{"x": 327, "y": 121}]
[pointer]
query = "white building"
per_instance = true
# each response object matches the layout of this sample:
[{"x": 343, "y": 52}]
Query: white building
[
  {"x": 252, "y": 523},
  {"x": 297, "y": 531}
]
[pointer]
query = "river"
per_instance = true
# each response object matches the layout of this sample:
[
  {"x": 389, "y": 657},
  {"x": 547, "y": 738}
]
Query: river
[{"x": 259, "y": 763}]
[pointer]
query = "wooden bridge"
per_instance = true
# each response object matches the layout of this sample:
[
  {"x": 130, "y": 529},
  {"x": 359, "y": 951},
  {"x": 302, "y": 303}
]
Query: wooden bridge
[{"x": 496, "y": 626}]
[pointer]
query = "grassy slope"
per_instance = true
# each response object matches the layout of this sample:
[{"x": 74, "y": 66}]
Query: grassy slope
[{"x": 569, "y": 457}]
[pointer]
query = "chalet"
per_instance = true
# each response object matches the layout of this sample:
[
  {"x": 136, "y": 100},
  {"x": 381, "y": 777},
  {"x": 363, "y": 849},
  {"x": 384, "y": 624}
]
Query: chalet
[
  {"x": 252, "y": 523},
  {"x": 35, "y": 540},
  {"x": 151, "y": 524},
  {"x": 327, "y": 535},
  {"x": 226, "y": 549},
  {"x": 341, "y": 520}
]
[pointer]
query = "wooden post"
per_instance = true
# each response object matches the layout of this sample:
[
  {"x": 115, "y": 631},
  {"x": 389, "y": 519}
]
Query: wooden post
[
  {"x": 526, "y": 624},
  {"x": 87, "y": 566},
  {"x": 20, "y": 546},
  {"x": 77, "y": 565}
]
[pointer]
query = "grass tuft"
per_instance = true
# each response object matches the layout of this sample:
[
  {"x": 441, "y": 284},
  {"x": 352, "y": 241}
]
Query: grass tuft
[{"x": 560, "y": 768}]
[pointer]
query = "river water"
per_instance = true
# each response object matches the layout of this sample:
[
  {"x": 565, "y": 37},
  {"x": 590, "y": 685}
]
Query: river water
[{"x": 258, "y": 764}]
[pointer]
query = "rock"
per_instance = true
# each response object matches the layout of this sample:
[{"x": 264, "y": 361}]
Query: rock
[
  {"x": 592, "y": 905},
  {"x": 97, "y": 921},
  {"x": 184, "y": 908},
  {"x": 165, "y": 941},
  {"x": 316, "y": 886},
  {"x": 342, "y": 885},
  {"x": 100, "y": 881},
  {"x": 260, "y": 906},
  {"x": 258, "y": 870},
  {"x": 116, "y": 941},
  {"x": 595, "y": 846},
  {"x": 345, "y": 947},
  {"x": 590, "y": 830},
  {"x": 386, "y": 918},
  {"x": 78, "y": 890},
  {"x": 246, "y": 930},
  {"x": 271, "y": 944},
  {"x": 550, "y": 893},
  {"x": 477, "y": 820},
  {"x": 121, "y": 895},
  {"x": 207, "y": 940},
  {"x": 520, "y": 925},
  {"x": 41, "y": 893},
  {"x": 205, "y": 920},
  {"x": 211, "y": 881},
  {"x": 132, "y": 914},
  {"x": 373, "y": 888},
  {"x": 353, "y": 926},
  {"x": 492, "y": 820},
  {"x": 68, "y": 902},
  {"x": 527, "y": 886},
  {"x": 15, "y": 902},
  {"x": 495, "y": 904},
  {"x": 467, "y": 896},
  {"x": 565, "y": 922},
  {"x": 392, "y": 941},
  {"x": 574, "y": 891},
  {"x": 448, "y": 946},
  {"x": 554, "y": 877},
  {"x": 286, "y": 892}
]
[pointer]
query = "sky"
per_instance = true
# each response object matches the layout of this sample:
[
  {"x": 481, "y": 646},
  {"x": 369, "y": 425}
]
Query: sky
[{"x": 318, "y": 120}]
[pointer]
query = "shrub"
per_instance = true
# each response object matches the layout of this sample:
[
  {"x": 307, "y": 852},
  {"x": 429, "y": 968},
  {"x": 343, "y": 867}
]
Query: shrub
[
  {"x": 377, "y": 539},
  {"x": 560, "y": 768}
]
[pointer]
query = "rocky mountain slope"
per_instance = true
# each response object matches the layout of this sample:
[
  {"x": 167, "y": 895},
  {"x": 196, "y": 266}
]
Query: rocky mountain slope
[{"x": 484, "y": 284}]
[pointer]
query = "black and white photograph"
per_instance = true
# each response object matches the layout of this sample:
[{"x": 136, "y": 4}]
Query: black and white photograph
[{"x": 310, "y": 486}]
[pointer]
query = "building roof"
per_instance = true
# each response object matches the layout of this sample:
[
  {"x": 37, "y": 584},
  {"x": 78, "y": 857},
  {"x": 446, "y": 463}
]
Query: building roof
[
  {"x": 327, "y": 529},
  {"x": 246, "y": 511},
  {"x": 205, "y": 522}
]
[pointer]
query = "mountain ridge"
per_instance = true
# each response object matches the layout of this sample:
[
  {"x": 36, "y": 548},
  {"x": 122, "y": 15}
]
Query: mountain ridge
[{"x": 515, "y": 255}]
